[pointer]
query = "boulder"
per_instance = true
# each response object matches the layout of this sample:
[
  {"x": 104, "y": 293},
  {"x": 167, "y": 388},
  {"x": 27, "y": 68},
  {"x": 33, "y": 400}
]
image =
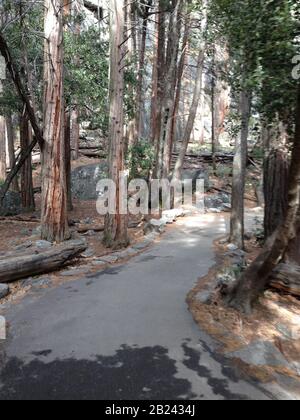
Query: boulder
[
  {"x": 196, "y": 174},
  {"x": 155, "y": 226},
  {"x": 12, "y": 204},
  {"x": 4, "y": 290},
  {"x": 85, "y": 180}
]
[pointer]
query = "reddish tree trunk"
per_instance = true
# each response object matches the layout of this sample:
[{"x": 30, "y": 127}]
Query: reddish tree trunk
[
  {"x": 116, "y": 225},
  {"x": 54, "y": 188}
]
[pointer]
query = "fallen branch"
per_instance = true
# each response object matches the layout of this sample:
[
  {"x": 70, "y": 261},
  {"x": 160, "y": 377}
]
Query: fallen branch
[{"x": 19, "y": 267}]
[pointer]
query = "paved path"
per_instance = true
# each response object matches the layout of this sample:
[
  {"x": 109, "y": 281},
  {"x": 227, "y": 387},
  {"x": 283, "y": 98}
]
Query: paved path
[{"x": 124, "y": 333}]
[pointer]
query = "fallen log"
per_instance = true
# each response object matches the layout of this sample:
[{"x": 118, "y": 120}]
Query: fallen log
[
  {"x": 92, "y": 153},
  {"x": 20, "y": 219},
  {"x": 87, "y": 228},
  {"x": 19, "y": 267},
  {"x": 286, "y": 278}
]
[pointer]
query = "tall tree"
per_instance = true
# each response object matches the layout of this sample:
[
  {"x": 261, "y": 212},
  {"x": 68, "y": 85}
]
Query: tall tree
[
  {"x": 237, "y": 226},
  {"x": 116, "y": 225},
  {"x": 54, "y": 188}
]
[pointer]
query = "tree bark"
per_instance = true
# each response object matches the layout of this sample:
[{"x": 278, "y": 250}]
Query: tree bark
[
  {"x": 2, "y": 149},
  {"x": 11, "y": 150},
  {"x": 169, "y": 89},
  {"x": 27, "y": 193},
  {"x": 140, "y": 82},
  {"x": 192, "y": 116},
  {"x": 276, "y": 171},
  {"x": 239, "y": 174},
  {"x": 68, "y": 158},
  {"x": 54, "y": 189},
  {"x": 159, "y": 87},
  {"x": 116, "y": 225},
  {"x": 179, "y": 76}
]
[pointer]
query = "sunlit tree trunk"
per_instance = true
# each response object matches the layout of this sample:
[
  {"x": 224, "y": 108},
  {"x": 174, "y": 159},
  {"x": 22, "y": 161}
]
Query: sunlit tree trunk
[
  {"x": 116, "y": 225},
  {"x": 192, "y": 116},
  {"x": 237, "y": 223},
  {"x": 54, "y": 188},
  {"x": 11, "y": 150}
]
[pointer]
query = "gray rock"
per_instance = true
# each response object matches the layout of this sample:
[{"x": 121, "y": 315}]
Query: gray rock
[
  {"x": 127, "y": 253},
  {"x": 172, "y": 214},
  {"x": 88, "y": 253},
  {"x": 43, "y": 244},
  {"x": 12, "y": 204},
  {"x": 232, "y": 247},
  {"x": 261, "y": 353},
  {"x": 74, "y": 272},
  {"x": 37, "y": 282},
  {"x": 99, "y": 263},
  {"x": 225, "y": 279},
  {"x": 85, "y": 180},
  {"x": 158, "y": 225},
  {"x": 220, "y": 201},
  {"x": 4, "y": 290},
  {"x": 109, "y": 259},
  {"x": 204, "y": 297},
  {"x": 142, "y": 245},
  {"x": 194, "y": 175},
  {"x": 214, "y": 210}
]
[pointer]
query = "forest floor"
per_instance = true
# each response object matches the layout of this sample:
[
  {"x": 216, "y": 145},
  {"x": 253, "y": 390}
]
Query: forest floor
[{"x": 266, "y": 344}]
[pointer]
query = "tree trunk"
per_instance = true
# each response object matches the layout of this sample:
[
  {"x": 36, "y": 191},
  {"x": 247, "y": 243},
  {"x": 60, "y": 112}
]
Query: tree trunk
[
  {"x": 239, "y": 175},
  {"x": 11, "y": 150},
  {"x": 75, "y": 132},
  {"x": 256, "y": 278},
  {"x": 213, "y": 124},
  {"x": 54, "y": 188},
  {"x": 192, "y": 116},
  {"x": 179, "y": 76},
  {"x": 2, "y": 149},
  {"x": 116, "y": 225},
  {"x": 276, "y": 170},
  {"x": 161, "y": 61},
  {"x": 140, "y": 82},
  {"x": 68, "y": 158},
  {"x": 27, "y": 193},
  {"x": 169, "y": 89}
]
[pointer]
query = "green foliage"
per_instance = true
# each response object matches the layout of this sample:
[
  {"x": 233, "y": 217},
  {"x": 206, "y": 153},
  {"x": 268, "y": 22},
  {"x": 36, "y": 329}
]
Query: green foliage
[
  {"x": 140, "y": 159},
  {"x": 86, "y": 76},
  {"x": 262, "y": 41}
]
